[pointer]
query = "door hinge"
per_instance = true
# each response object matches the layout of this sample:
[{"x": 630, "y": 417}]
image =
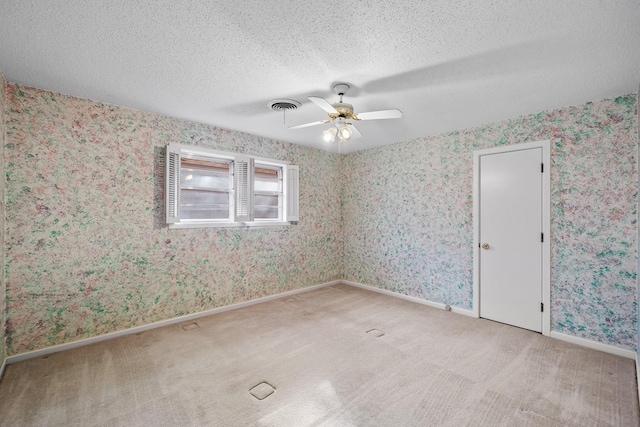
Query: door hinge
[
  {"x": 542, "y": 167},
  {"x": 542, "y": 307},
  {"x": 542, "y": 237}
]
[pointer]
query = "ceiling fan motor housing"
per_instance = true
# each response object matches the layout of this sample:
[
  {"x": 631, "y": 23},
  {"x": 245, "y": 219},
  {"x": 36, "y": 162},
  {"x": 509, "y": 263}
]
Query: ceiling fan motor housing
[{"x": 344, "y": 110}]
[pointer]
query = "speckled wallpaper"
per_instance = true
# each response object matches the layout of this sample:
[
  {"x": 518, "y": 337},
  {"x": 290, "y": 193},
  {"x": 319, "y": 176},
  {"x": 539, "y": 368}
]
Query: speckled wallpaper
[
  {"x": 408, "y": 215},
  {"x": 87, "y": 250},
  {"x": 2, "y": 228},
  {"x": 638, "y": 218}
]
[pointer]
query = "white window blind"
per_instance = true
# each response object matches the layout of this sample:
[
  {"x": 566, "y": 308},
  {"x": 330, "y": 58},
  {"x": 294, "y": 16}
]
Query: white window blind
[
  {"x": 243, "y": 166},
  {"x": 172, "y": 190}
]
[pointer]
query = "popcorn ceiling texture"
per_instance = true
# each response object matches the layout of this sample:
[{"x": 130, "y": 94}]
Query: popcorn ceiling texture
[
  {"x": 408, "y": 215},
  {"x": 87, "y": 248},
  {"x": 87, "y": 251},
  {"x": 446, "y": 64}
]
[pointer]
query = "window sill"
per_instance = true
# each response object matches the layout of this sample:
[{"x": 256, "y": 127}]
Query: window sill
[{"x": 260, "y": 224}]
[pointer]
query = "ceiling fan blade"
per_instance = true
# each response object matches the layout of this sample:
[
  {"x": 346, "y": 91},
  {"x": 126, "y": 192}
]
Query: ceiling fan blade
[
  {"x": 306, "y": 125},
  {"x": 323, "y": 103},
  {"x": 382, "y": 114},
  {"x": 355, "y": 133}
]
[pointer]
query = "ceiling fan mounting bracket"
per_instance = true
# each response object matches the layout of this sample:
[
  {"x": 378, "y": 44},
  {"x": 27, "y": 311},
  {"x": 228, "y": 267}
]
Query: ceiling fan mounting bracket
[
  {"x": 341, "y": 88},
  {"x": 343, "y": 109}
]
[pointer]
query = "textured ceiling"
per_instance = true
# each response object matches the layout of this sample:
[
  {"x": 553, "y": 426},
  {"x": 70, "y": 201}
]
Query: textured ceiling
[{"x": 446, "y": 64}]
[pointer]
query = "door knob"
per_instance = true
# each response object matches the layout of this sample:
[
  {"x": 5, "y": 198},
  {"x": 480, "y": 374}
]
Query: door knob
[{"x": 485, "y": 246}]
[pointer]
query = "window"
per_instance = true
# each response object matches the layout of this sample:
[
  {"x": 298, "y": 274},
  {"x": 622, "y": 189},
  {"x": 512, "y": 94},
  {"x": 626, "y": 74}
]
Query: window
[
  {"x": 267, "y": 191},
  {"x": 207, "y": 188}
]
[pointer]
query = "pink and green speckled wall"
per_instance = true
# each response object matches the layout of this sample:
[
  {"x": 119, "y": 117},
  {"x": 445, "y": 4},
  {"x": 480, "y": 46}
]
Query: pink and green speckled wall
[
  {"x": 87, "y": 251},
  {"x": 637, "y": 219},
  {"x": 2, "y": 228},
  {"x": 408, "y": 215}
]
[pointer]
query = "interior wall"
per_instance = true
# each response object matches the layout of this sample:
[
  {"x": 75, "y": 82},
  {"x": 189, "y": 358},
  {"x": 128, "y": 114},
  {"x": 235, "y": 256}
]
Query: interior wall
[
  {"x": 87, "y": 250},
  {"x": 408, "y": 215},
  {"x": 2, "y": 225}
]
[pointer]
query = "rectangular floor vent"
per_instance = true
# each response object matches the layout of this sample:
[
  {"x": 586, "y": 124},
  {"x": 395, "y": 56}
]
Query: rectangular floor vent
[
  {"x": 190, "y": 326},
  {"x": 262, "y": 391}
]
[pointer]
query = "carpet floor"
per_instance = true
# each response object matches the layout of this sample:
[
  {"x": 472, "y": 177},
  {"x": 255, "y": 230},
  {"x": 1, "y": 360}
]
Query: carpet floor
[{"x": 335, "y": 356}]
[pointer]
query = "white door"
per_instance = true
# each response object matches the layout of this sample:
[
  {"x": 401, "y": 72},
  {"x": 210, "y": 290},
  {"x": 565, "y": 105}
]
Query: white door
[{"x": 511, "y": 237}]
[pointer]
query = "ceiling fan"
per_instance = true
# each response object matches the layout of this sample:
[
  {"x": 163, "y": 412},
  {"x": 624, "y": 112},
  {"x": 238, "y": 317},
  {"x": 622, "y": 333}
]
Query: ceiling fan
[{"x": 339, "y": 114}]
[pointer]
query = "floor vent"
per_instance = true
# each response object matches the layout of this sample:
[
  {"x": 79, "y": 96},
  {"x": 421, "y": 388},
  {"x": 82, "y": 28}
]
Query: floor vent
[
  {"x": 375, "y": 332},
  {"x": 262, "y": 390},
  {"x": 190, "y": 326}
]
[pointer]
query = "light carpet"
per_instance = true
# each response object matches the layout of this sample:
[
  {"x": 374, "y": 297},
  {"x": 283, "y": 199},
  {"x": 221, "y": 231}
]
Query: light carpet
[{"x": 336, "y": 356}]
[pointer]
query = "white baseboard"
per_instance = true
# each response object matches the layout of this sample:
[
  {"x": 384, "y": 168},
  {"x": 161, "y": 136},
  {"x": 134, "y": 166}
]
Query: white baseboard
[
  {"x": 93, "y": 340},
  {"x": 629, "y": 354},
  {"x": 410, "y": 298},
  {"x": 2, "y": 367}
]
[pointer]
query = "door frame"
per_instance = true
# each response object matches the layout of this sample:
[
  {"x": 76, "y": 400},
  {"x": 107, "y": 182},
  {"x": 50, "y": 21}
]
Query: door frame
[{"x": 545, "y": 145}]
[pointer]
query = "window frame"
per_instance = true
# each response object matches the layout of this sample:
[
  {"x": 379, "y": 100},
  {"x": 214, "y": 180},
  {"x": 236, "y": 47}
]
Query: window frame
[{"x": 288, "y": 201}]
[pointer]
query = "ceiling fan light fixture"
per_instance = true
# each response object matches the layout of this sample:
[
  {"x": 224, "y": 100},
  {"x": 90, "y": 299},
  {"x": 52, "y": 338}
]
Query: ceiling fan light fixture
[
  {"x": 330, "y": 134},
  {"x": 344, "y": 133}
]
